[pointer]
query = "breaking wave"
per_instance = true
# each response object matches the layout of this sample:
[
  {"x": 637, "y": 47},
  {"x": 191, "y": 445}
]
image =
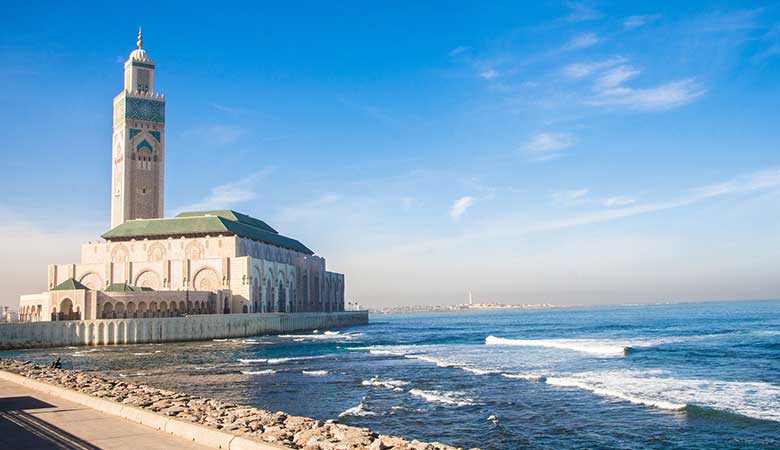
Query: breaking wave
[
  {"x": 275, "y": 361},
  {"x": 325, "y": 335},
  {"x": 357, "y": 411},
  {"x": 295, "y": 358},
  {"x": 446, "y": 398},
  {"x": 757, "y": 400},
  {"x": 525, "y": 376},
  {"x": 395, "y": 385},
  {"x": 591, "y": 346},
  {"x": 259, "y": 372},
  {"x": 315, "y": 373}
]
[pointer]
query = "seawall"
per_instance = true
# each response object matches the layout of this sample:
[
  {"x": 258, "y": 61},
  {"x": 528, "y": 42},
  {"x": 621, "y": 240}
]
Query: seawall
[{"x": 169, "y": 329}]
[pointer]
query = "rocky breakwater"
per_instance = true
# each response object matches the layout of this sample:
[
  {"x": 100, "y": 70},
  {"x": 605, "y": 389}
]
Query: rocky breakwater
[{"x": 294, "y": 432}]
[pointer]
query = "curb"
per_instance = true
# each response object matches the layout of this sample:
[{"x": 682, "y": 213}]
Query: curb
[{"x": 199, "y": 434}]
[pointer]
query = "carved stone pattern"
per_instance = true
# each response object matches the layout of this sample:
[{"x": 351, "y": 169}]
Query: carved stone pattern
[{"x": 148, "y": 279}]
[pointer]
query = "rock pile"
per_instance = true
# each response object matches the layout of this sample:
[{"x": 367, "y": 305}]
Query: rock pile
[{"x": 294, "y": 432}]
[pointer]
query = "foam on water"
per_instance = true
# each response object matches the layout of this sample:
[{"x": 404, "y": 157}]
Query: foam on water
[
  {"x": 447, "y": 398},
  {"x": 315, "y": 373},
  {"x": 477, "y": 371},
  {"x": 758, "y": 400},
  {"x": 438, "y": 361},
  {"x": 395, "y": 385},
  {"x": 323, "y": 336},
  {"x": 525, "y": 376},
  {"x": 85, "y": 352},
  {"x": 358, "y": 411},
  {"x": 595, "y": 347},
  {"x": 259, "y": 372},
  {"x": 295, "y": 358}
]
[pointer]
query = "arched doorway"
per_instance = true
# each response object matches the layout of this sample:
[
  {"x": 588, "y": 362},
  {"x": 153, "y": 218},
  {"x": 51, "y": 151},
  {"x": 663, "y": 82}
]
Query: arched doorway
[
  {"x": 66, "y": 309},
  {"x": 108, "y": 311}
]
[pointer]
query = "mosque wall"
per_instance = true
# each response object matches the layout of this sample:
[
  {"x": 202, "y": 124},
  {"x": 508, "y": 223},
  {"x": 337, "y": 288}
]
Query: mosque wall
[{"x": 168, "y": 329}]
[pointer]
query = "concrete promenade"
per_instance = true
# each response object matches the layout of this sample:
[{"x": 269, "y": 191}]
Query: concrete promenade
[{"x": 32, "y": 420}]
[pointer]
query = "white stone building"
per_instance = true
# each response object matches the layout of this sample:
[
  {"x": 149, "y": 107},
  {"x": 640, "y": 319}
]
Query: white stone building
[{"x": 212, "y": 262}]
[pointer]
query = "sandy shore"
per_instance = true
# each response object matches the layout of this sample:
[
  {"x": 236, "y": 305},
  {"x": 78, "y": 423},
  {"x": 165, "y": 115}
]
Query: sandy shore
[{"x": 294, "y": 432}]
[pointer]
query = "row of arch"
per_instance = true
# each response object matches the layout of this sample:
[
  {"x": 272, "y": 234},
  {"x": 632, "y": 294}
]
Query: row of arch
[
  {"x": 139, "y": 331},
  {"x": 31, "y": 313},
  {"x": 154, "y": 309},
  {"x": 274, "y": 292}
]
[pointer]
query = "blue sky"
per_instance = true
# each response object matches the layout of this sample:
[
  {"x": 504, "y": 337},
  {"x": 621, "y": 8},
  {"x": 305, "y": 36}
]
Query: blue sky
[{"x": 560, "y": 152}]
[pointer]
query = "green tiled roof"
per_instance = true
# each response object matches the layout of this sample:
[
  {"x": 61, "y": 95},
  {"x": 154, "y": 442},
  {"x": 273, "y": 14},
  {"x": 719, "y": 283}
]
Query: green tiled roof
[
  {"x": 208, "y": 222},
  {"x": 69, "y": 285},
  {"x": 232, "y": 215},
  {"x": 124, "y": 287}
]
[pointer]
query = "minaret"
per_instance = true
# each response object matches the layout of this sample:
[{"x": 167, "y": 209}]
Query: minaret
[{"x": 138, "y": 143}]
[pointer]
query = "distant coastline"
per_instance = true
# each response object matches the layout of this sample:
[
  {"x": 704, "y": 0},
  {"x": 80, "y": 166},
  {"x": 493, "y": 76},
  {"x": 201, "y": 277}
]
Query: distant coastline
[{"x": 492, "y": 307}]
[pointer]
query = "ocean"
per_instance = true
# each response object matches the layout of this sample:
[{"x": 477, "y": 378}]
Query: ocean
[{"x": 677, "y": 376}]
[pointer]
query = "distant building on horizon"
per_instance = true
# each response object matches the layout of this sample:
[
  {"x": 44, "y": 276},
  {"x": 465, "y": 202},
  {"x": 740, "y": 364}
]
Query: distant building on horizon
[{"x": 208, "y": 262}]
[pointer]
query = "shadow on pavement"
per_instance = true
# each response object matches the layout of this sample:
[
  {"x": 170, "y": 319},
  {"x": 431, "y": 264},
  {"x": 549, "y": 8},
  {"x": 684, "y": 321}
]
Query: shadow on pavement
[{"x": 20, "y": 430}]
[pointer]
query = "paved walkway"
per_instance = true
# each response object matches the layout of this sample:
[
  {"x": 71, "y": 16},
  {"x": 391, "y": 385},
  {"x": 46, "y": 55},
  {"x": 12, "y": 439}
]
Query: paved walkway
[{"x": 30, "y": 420}]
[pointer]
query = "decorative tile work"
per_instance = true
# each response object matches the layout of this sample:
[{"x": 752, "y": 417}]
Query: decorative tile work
[
  {"x": 156, "y": 135},
  {"x": 145, "y": 144},
  {"x": 139, "y": 64},
  {"x": 145, "y": 109},
  {"x": 134, "y": 132}
]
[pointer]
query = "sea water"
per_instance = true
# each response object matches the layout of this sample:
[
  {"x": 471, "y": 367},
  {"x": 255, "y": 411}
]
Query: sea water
[{"x": 698, "y": 376}]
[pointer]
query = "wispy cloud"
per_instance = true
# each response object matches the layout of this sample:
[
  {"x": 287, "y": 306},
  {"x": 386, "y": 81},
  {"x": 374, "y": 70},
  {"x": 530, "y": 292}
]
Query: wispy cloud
[
  {"x": 587, "y": 68},
  {"x": 458, "y": 50},
  {"x": 234, "y": 110},
  {"x": 620, "y": 200},
  {"x": 547, "y": 146},
  {"x": 727, "y": 21},
  {"x": 610, "y": 78},
  {"x": 581, "y": 41},
  {"x": 569, "y": 197},
  {"x": 489, "y": 74},
  {"x": 460, "y": 206},
  {"x": 229, "y": 194},
  {"x": 665, "y": 96},
  {"x": 516, "y": 226},
  {"x": 756, "y": 181},
  {"x": 581, "y": 12},
  {"x": 615, "y": 77},
  {"x": 632, "y": 22}
]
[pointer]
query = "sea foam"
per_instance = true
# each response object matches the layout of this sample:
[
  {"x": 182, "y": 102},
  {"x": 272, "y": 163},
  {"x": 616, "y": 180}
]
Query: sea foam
[
  {"x": 447, "y": 398},
  {"x": 395, "y": 385},
  {"x": 358, "y": 411},
  {"x": 758, "y": 400},
  {"x": 591, "y": 346},
  {"x": 259, "y": 372}
]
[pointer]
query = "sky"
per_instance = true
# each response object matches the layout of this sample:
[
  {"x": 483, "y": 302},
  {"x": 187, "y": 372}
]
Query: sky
[{"x": 531, "y": 152}]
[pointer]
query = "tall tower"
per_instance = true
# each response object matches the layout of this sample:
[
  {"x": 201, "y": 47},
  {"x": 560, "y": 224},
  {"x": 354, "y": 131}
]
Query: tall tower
[{"x": 138, "y": 143}]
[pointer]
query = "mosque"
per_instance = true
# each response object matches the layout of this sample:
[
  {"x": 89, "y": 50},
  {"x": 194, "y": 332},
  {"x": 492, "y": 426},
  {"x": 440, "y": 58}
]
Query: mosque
[{"x": 207, "y": 262}]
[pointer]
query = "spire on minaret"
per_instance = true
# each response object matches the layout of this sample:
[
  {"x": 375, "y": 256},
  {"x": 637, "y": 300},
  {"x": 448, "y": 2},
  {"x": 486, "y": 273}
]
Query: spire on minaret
[{"x": 139, "y": 54}]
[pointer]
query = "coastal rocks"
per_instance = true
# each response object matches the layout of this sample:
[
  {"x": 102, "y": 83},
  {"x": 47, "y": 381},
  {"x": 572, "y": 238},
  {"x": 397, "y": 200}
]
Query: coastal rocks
[{"x": 294, "y": 432}]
